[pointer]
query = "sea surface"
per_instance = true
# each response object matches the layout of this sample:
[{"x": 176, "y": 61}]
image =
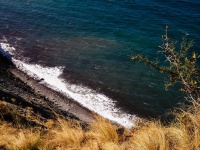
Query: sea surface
[{"x": 82, "y": 49}]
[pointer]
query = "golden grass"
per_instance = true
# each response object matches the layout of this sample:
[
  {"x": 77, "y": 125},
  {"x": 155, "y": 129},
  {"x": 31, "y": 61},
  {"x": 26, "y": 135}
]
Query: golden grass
[
  {"x": 182, "y": 134},
  {"x": 154, "y": 136},
  {"x": 189, "y": 121},
  {"x": 103, "y": 134},
  {"x": 13, "y": 138},
  {"x": 65, "y": 135},
  {"x": 103, "y": 131}
]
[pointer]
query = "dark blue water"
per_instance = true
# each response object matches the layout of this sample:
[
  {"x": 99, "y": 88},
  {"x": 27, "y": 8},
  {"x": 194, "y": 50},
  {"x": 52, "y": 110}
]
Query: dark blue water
[{"x": 93, "y": 40}]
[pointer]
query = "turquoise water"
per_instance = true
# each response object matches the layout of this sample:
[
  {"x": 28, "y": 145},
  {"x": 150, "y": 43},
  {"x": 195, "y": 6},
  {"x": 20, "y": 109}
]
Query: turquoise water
[{"x": 93, "y": 41}]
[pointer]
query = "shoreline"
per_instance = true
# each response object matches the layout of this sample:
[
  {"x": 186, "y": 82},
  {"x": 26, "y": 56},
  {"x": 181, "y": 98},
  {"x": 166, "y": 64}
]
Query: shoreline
[
  {"x": 76, "y": 105},
  {"x": 61, "y": 102},
  {"x": 31, "y": 93}
]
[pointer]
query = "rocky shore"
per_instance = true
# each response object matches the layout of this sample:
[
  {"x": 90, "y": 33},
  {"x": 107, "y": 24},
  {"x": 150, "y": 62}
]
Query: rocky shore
[{"x": 28, "y": 97}]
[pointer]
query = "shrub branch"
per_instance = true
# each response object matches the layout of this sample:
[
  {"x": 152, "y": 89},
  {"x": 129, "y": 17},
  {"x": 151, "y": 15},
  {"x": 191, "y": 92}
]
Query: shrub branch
[{"x": 181, "y": 67}]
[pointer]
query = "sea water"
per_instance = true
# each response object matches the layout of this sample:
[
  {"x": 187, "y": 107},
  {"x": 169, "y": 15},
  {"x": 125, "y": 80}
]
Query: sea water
[{"x": 82, "y": 49}]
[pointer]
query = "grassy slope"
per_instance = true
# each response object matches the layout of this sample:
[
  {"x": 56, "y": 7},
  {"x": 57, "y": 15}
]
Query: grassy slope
[{"x": 182, "y": 134}]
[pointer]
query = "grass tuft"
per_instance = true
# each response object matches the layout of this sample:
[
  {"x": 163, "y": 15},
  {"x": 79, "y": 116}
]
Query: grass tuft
[
  {"x": 65, "y": 134},
  {"x": 103, "y": 131},
  {"x": 182, "y": 134},
  {"x": 14, "y": 139}
]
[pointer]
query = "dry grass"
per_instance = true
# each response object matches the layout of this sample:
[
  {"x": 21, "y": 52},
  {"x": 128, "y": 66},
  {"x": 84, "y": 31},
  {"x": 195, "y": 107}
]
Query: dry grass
[
  {"x": 189, "y": 121},
  {"x": 154, "y": 136},
  {"x": 182, "y": 134},
  {"x": 64, "y": 135},
  {"x": 103, "y": 131},
  {"x": 103, "y": 135},
  {"x": 14, "y": 139}
]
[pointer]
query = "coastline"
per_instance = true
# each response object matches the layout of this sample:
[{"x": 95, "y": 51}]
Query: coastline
[
  {"x": 62, "y": 97},
  {"x": 31, "y": 91}
]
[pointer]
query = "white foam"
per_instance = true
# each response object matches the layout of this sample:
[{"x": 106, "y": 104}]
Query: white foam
[
  {"x": 6, "y": 50},
  {"x": 97, "y": 102}
]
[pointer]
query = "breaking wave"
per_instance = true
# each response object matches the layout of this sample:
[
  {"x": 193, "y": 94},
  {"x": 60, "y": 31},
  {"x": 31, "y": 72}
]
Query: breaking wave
[{"x": 90, "y": 99}]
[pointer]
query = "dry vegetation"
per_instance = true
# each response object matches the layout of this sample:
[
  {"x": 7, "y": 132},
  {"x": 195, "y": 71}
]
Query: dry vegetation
[{"x": 182, "y": 134}]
